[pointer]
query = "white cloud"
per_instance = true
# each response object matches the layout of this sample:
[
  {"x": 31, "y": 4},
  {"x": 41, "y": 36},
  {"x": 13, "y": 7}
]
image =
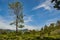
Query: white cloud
[
  {"x": 46, "y": 5},
  {"x": 28, "y": 19},
  {"x": 54, "y": 20},
  {"x": 31, "y": 27},
  {"x": 5, "y": 25}
]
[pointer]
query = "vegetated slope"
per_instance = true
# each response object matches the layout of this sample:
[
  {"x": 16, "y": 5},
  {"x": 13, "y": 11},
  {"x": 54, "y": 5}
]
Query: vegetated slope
[{"x": 51, "y": 32}]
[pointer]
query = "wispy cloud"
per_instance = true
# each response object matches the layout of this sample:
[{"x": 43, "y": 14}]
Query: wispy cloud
[
  {"x": 5, "y": 25},
  {"x": 31, "y": 27},
  {"x": 28, "y": 19},
  {"x": 54, "y": 20},
  {"x": 46, "y": 5}
]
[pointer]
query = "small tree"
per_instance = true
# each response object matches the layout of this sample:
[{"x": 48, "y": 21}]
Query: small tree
[{"x": 17, "y": 9}]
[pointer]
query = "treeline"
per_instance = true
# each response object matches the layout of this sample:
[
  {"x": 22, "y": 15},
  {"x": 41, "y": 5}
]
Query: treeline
[
  {"x": 50, "y": 32},
  {"x": 51, "y": 28}
]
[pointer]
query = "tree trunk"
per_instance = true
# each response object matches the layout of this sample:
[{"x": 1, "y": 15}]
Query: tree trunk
[{"x": 16, "y": 24}]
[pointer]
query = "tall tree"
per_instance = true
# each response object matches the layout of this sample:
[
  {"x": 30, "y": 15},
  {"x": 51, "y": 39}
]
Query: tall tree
[
  {"x": 45, "y": 28},
  {"x": 58, "y": 24},
  {"x": 17, "y": 9},
  {"x": 51, "y": 27},
  {"x": 56, "y": 4}
]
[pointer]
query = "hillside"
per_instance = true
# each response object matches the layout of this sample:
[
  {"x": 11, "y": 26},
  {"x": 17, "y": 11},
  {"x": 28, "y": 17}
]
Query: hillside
[{"x": 51, "y": 32}]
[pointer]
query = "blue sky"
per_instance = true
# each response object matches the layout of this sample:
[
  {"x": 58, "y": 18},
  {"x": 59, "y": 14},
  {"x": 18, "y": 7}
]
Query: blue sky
[{"x": 38, "y": 13}]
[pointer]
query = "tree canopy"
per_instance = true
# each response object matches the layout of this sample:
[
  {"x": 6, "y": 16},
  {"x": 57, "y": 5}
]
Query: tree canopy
[{"x": 56, "y": 4}]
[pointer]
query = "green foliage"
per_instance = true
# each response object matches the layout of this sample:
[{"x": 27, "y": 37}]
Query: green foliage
[
  {"x": 17, "y": 8},
  {"x": 51, "y": 32},
  {"x": 57, "y": 4}
]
